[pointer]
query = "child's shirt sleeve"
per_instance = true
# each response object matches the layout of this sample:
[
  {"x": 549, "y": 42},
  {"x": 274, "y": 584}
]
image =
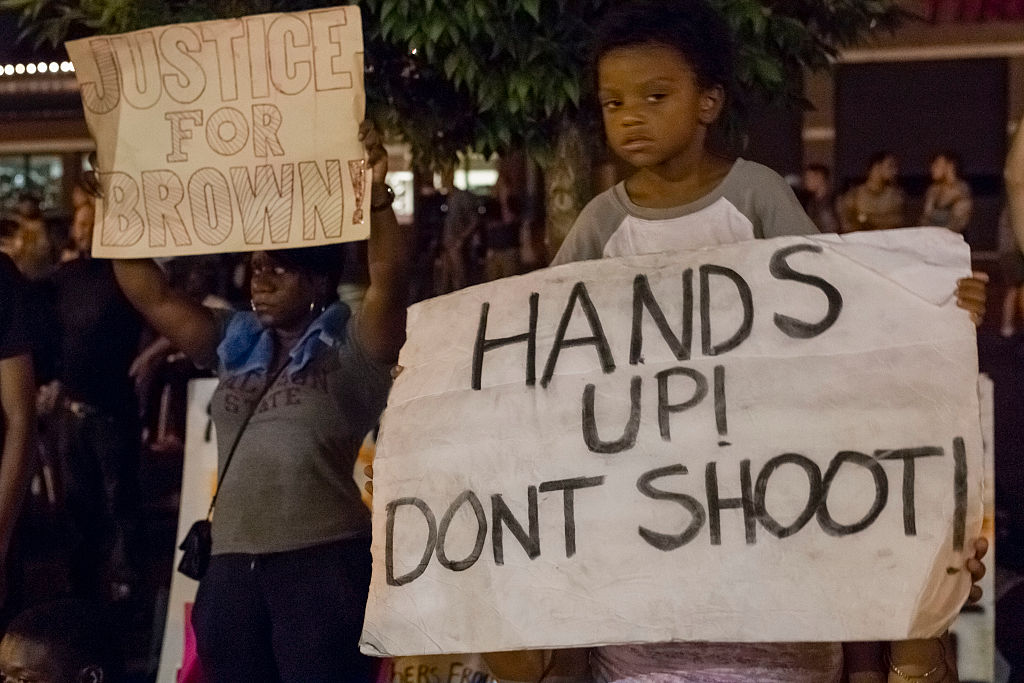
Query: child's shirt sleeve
[
  {"x": 595, "y": 225},
  {"x": 773, "y": 207}
]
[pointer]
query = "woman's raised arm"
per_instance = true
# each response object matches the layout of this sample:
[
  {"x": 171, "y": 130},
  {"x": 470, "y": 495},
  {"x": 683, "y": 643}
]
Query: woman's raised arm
[
  {"x": 382, "y": 319},
  {"x": 188, "y": 325}
]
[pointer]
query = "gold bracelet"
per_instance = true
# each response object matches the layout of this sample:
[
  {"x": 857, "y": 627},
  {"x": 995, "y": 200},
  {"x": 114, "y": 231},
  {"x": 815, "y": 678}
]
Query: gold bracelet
[{"x": 919, "y": 677}]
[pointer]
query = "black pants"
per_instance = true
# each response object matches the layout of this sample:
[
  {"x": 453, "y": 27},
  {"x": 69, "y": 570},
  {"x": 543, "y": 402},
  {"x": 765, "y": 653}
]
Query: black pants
[
  {"x": 293, "y": 616},
  {"x": 98, "y": 456}
]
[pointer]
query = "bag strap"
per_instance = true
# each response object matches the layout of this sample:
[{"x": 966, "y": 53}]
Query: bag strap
[{"x": 238, "y": 437}]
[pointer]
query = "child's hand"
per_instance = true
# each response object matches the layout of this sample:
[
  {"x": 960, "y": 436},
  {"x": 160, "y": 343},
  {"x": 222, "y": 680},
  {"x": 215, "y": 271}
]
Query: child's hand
[
  {"x": 976, "y": 567},
  {"x": 970, "y": 295}
]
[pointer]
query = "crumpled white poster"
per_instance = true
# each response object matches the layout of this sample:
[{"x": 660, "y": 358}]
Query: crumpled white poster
[
  {"x": 776, "y": 440},
  {"x": 228, "y": 135}
]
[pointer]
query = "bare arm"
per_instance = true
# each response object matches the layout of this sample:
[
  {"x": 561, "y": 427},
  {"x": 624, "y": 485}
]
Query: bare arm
[
  {"x": 865, "y": 662},
  {"x": 1014, "y": 175},
  {"x": 17, "y": 408},
  {"x": 382, "y": 317},
  {"x": 893, "y": 218},
  {"x": 188, "y": 325},
  {"x": 961, "y": 213},
  {"x": 846, "y": 210},
  {"x": 530, "y": 665}
]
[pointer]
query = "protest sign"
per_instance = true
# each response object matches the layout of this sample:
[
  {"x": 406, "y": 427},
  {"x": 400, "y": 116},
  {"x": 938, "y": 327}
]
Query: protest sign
[
  {"x": 229, "y": 135},
  {"x": 438, "y": 669},
  {"x": 776, "y": 440}
]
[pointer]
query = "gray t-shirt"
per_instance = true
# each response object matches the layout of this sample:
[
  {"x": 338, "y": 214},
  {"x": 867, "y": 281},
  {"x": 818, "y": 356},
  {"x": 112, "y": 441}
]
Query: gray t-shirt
[
  {"x": 290, "y": 482},
  {"x": 752, "y": 201}
]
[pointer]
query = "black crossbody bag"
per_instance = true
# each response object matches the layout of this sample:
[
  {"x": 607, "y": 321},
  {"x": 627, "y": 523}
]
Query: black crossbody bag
[{"x": 198, "y": 542}]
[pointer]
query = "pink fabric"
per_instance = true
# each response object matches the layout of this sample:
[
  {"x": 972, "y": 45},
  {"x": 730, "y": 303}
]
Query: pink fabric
[{"x": 191, "y": 670}]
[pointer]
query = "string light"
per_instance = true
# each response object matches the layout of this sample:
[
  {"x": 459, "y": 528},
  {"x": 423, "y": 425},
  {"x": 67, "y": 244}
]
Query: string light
[{"x": 36, "y": 68}]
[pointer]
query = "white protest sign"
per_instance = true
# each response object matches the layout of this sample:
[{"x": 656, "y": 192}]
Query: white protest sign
[
  {"x": 229, "y": 135},
  {"x": 198, "y": 481},
  {"x": 770, "y": 441}
]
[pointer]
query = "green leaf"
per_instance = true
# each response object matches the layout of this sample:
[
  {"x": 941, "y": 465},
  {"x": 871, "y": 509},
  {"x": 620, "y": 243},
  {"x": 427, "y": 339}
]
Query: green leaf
[
  {"x": 571, "y": 87},
  {"x": 435, "y": 27},
  {"x": 532, "y": 8}
]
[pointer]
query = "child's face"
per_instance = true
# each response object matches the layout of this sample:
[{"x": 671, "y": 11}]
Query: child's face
[
  {"x": 654, "y": 111},
  {"x": 26, "y": 660}
]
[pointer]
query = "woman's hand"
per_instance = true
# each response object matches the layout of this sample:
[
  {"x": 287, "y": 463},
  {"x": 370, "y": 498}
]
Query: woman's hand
[
  {"x": 971, "y": 295},
  {"x": 376, "y": 155}
]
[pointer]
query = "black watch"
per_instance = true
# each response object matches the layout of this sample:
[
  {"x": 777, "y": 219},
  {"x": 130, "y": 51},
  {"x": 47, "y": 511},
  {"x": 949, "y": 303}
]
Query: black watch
[{"x": 388, "y": 200}]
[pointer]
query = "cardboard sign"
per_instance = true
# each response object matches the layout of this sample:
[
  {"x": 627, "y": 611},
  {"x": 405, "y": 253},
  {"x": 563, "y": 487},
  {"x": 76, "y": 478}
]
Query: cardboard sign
[
  {"x": 228, "y": 135},
  {"x": 439, "y": 669},
  {"x": 776, "y": 440},
  {"x": 198, "y": 482}
]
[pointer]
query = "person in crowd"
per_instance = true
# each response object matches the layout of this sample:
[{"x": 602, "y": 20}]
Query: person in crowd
[
  {"x": 819, "y": 202},
  {"x": 1013, "y": 174},
  {"x": 63, "y": 641},
  {"x": 461, "y": 222},
  {"x": 17, "y": 420},
  {"x": 501, "y": 228},
  {"x": 947, "y": 201},
  {"x": 1011, "y": 262},
  {"x": 90, "y": 416},
  {"x": 161, "y": 373},
  {"x": 79, "y": 243},
  {"x": 664, "y": 68},
  {"x": 1010, "y": 597},
  {"x": 428, "y": 223},
  {"x": 302, "y": 380},
  {"x": 32, "y": 249},
  {"x": 878, "y": 203}
]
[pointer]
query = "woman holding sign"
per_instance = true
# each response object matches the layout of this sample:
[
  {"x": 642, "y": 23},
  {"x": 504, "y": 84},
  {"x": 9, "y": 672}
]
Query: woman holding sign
[{"x": 302, "y": 380}]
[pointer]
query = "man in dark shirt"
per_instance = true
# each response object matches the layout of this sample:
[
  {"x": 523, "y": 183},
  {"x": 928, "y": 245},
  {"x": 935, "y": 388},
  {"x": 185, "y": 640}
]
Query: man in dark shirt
[
  {"x": 93, "y": 424},
  {"x": 17, "y": 403}
]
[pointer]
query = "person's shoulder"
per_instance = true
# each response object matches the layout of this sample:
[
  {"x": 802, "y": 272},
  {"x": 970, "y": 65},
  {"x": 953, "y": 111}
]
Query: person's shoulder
[
  {"x": 603, "y": 205},
  {"x": 767, "y": 200},
  {"x": 592, "y": 228},
  {"x": 753, "y": 179}
]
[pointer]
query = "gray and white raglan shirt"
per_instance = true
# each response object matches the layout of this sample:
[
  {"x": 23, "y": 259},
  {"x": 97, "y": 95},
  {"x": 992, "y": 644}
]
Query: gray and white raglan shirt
[{"x": 751, "y": 202}]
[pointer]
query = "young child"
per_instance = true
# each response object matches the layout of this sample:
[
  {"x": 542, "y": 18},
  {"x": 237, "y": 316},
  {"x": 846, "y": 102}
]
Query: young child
[
  {"x": 64, "y": 641},
  {"x": 664, "y": 69}
]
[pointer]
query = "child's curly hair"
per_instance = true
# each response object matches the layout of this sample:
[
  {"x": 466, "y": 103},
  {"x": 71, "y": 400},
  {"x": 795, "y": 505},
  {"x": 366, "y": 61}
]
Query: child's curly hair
[{"x": 692, "y": 27}]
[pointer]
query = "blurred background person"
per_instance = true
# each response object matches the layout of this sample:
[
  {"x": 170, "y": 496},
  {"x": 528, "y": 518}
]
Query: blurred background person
[
  {"x": 817, "y": 197},
  {"x": 17, "y": 424},
  {"x": 90, "y": 416},
  {"x": 878, "y": 203},
  {"x": 32, "y": 250},
  {"x": 501, "y": 231},
  {"x": 947, "y": 202},
  {"x": 461, "y": 221}
]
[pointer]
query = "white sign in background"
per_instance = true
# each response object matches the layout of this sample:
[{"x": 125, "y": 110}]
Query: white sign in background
[
  {"x": 793, "y": 455},
  {"x": 229, "y": 135},
  {"x": 198, "y": 482}
]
